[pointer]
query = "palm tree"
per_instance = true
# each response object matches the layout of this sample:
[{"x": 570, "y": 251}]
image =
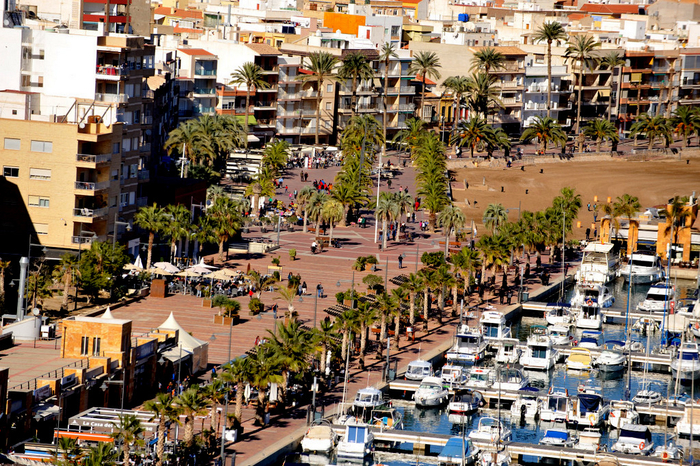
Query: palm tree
[
  {"x": 545, "y": 130},
  {"x": 226, "y": 220},
  {"x": 451, "y": 218},
  {"x": 627, "y": 206},
  {"x": 355, "y": 67},
  {"x": 291, "y": 346},
  {"x": 186, "y": 137},
  {"x": 321, "y": 66},
  {"x": 264, "y": 369},
  {"x": 581, "y": 50},
  {"x": 677, "y": 216},
  {"x": 251, "y": 76},
  {"x": 652, "y": 128},
  {"x": 482, "y": 93},
  {"x": 467, "y": 262},
  {"x": 316, "y": 207},
  {"x": 303, "y": 198},
  {"x": 332, "y": 211},
  {"x": 425, "y": 64},
  {"x": 494, "y": 217},
  {"x": 399, "y": 295},
  {"x": 366, "y": 316},
  {"x": 612, "y": 60},
  {"x": 325, "y": 336},
  {"x": 129, "y": 432},
  {"x": 216, "y": 394},
  {"x": 386, "y": 53},
  {"x": 413, "y": 285},
  {"x": 442, "y": 279},
  {"x": 71, "y": 452},
  {"x": 499, "y": 140},
  {"x": 203, "y": 232},
  {"x": 348, "y": 194},
  {"x": 344, "y": 324},
  {"x": 150, "y": 218},
  {"x": 487, "y": 59},
  {"x": 685, "y": 122},
  {"x": 384, "y": 305},
  {"x": 426, "y": 278},
  {"x": 600, "y": 130},
  {"x": 166, "y": 412},
  {"x": 549, "y": 32},
  {"x": 411, "y": 136},
  {"x": 363, "y": 128},
  {"x": 64, "y": 272},
  {"x": 404, "y": 204},
  {"x": 386, "y": 210},
  {"x": 288, "y": 295},
  {"x": 458, "y": 85},
  {"x": 473, "y": 133},
  {"x": 275, "y": 155},
  {"x": 102, "y": 454},
  {"x": 192, "y": 403},
  {"x": 237, "y": 372},
  {"x": 177, "y": 225}
]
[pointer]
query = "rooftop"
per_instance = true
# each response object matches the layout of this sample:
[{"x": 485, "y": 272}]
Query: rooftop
[
  {"x": 196, "y": 52},
  {"x": 263, "y": 49}
]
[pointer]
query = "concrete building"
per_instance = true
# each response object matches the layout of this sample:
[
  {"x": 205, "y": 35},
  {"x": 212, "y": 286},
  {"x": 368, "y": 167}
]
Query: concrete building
[
  {"x": 535, "y": 94},
  {"x": 197, "y": 77}
]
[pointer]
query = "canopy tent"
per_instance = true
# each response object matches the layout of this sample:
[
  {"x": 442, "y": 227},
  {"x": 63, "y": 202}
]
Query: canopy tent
[
  {"x": 198, "y": 348},
  {"x": 201, "y": 262},
  {"x": 167, "y": 266},
  {"x": 198, "y": 270},
  {"x": 107, "y": 314}
]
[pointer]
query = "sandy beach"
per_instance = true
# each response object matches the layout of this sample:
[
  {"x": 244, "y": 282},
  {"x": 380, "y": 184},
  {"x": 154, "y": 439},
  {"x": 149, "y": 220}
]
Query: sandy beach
[{"x": 653, "y": 182}]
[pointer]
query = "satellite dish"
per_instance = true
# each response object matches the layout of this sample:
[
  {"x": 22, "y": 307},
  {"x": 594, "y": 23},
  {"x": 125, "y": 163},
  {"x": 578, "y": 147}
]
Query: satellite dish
[{"x": 36, "y": 311}]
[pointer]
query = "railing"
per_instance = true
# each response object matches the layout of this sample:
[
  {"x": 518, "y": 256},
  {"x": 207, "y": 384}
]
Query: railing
[
  {"x": 402, "y": 107},
  {"x": 348, "y": 89},
  {"x": 265, "y": 104},
  {"x": 92, "y": 158},
  {"x": 147, "y": 119},
  {"x": 141, "y": 201},
  {"x": 510, "y": 84},
  {"x": 542, "y": 88},
  {"x": 89, "y": 186},
  {"x": 205, "y": 109},
  {"x": 205, "y": 90},
  {"x": 112, "y": 71},
  {"x": 309, "y": 93},
  {"x": 509, "y": 67},
  {"x": 508, "y": 118},
  {"x": 203, "y": 72},
  {"x": 54, "y": 374},
  {"x": 90, "y": 213},
  {"x": 535, "y": 106},
  {"x": 511, "y": 100},
  {"x": 82, "y": 239},
  {"x": 147, "y": 94},
  {"x": 403, "y": 90},
  {"x": 144, "y": 175},
  {"x": 111, "y": 98}
]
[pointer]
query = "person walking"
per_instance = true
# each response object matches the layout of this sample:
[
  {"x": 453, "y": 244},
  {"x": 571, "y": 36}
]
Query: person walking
[
  {"x": 400, "y": 261},
  {"x": 303, "y": 288}
]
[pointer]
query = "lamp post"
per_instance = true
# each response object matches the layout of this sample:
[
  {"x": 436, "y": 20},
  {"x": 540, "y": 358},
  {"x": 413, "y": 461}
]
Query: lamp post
[
  {"x": 118, "y": 382},
  {"x": 301, "y": 300},
  {"x": 223, "y": 427},
  {"x": 116, "y": 227},
  {"x": 24, "y": 275},
  {"x": 352, "y": 289}
]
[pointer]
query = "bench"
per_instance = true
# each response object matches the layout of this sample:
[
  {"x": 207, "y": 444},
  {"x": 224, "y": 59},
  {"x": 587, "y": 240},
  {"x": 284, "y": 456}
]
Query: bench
[
  {"x": 378, "y": 331},
  {"x": 323, "y": 242},
  {"x": 453, "y": 244},
  {"x": 311, "y": 229}
]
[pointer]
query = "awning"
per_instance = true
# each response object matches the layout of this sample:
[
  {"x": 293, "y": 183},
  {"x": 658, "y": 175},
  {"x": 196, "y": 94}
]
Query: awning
[
  {"x": 251, "y": 119},
  {"x": 604, "y": 92},
  {"x": 253, "y": 138}
]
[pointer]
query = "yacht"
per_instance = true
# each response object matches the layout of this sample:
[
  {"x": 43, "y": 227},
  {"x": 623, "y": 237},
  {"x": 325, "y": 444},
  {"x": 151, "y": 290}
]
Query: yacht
[
  {"x": 634, "y": 440},
  {"x": 690, "y": 418},
  {"x": 508, "y": 351},
  {"x": 591, "y": 339},
  {"x": 368, "y": 399},
  {"x": 418, "y": 370},
  {"x": 579, "y": 359},
  {"x": 686, "y": 366},
  {"x": 510, "y": 378},
  {"x": 469, "y": 346},
  {"x": 458, "y": 451},
  {"x": 480, "y": 377},
  {"x": 643, "y": 268},
  {"x": 647, "y": 396},
  {"x": 356, "y": 443},
  {"x": 586, "y": 410},
  {"x": 561, "y": 335},
  {"x": 559, "y": 314},
  {"x": 557, "y": 438},
  {"x": 589, "y": 440},
  {"x": 553, "y": 407},
  {"x": 621, "y": 413},
  {"x": 527, "y": 405},
  {"x": 319, "y": 438},
  {"x": 592, "y": 293},
  {"x": 431, "y": 393},
  {"x": 464, "y": 403},
  {"x": 490, "y": 430},
  {"x": 388, "y": 418},
  {"x": 599, "y": 264},
  {"x": 453, "y": 374},
  {"x": 539, "y": 353},
  {"x": 646, "y": 325},
  {"x": 611, "y": 359},
  {"x": 658, "y": 298},
  {"x": 493, "y": 457},
  {"x": 668, "y": 452},
  {"x": 589, "y": 317},
  {"x": 494, "y": 326}
]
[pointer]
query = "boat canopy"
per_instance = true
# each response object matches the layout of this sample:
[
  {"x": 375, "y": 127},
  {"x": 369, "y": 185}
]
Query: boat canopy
[{"x": 589, "y": 402}]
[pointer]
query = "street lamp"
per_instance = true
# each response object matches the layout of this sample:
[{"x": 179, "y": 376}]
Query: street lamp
[
  {"x": 301, "y": 300},
  {"x": 352, "y": 289},
  {"x": 117, "y": 382},
  {"x": 116, "y": 228},
  {"x": 223, "y": 427}
]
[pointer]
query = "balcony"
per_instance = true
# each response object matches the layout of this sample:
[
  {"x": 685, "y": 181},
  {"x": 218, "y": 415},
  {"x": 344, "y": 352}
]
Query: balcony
[
  {"x": 402, "y": 108},
  {"x": 358, "y": 90},
  {"x": 308, "y": 94},
  {"x": 266, "y": 105},
  {"x": 86, "y": 187},
  {"x": 205, "y": 72},
  {"x": 541, "y": 87},
  {"x": 144, "y": 175},
  {"x": 204, "y": 110},
  {"x": 111, "y": 73},
  {"x": 82, "y": 239},
  {"x": 402, "y": 90},
  {"x": 204, "y": 91},
  {"x": 141, "y": 201},
  {"x": 266, "y": 123},
  {"x": 145, "y": 147},
  {"x": 509, "y": 68},
  {"x": 507, "y": 118},
  {"x": 111, "y": 98},
  {"x": 512, "y": 101},
  {"x": 147, "y": 119},
  {"x": 539, "y": 70},
  {"x": 90, "y": 214},
  {"x": 92, "y": 160},
  {"x": 147, "y": 94}
]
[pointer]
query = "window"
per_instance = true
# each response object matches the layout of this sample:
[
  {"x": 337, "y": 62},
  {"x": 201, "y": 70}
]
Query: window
[
  {"x": 38, "y": 201},
  {"x": 133, "y": 170},
  {"x": 96, "y": 344},
  {"x": 43, "y": 174},
  {"x": 329, "y": 88},
  {"x": 42, "y": 146},
  {"x": 84, "y": 346},
  {"x": 10, "y": 172},
  {"x": 127, "y": 145},
  {"x": 115, "y": 148},
  {"x": 41, "y": 228},
  {"x": 328, "y": 106},
  {"x": 124, "y": 199},
  {"x": 132, "y": 198},
  {"x": 12, "y": 144}
]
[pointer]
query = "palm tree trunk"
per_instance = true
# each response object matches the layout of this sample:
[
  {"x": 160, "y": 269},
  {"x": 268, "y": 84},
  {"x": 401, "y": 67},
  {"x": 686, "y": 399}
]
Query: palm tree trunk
[
  {"x": 600, "y": 144},
  {"x": 344, "y": 345},
  {"x": 151, "y": 237},
  {"x": 238, "y": 410},
  {"x": 549, "y": 78},
  {"x": 412, "y": 308},
  {"x": 306, "y": 219},
  {"x": 422, "y": 99},
  {"x": 221, "y": 250},
  {"x": 397, "y": 328},
  {"x": 188, "y": 436},
  {"x": 612, "y": 89},
  {"x": 66, "y": 286},
  {"x": 125, "y": 449},
  {"x": 455, "y": 291},
  {"x": 323, "y": 359},
  {"x": 343, "y": 221},
  {"x": 354, "y": 94},
  {"x": 578, "y": 106},
  {"x": 441, "y": 303},
  {"x": 331, "y": 235},
  {"x": 247, "y": 110},
  {"x": 384, "y": 234},
  {"x": 318, "y": 108},
  {"x": 160, "y": 446},
  {"x": 651, "y": 142},
  {"x": 382, "y": 328},
  {"x": 363, "y": 344},
  {"x": 426, "y": 304}
]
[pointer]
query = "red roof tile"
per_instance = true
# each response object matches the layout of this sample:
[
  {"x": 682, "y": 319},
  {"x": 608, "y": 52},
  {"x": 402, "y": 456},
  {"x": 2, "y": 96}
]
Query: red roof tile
[
  {"x": 610, "y": 9},
  {"x": 196, "y": 52},
  {"x": 180, "y": 13}
]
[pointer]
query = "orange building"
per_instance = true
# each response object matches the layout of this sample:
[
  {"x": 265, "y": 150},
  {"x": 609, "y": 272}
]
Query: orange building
[
  {"x": 682, "y": 236},
  {"x": 346, "y": 23}
]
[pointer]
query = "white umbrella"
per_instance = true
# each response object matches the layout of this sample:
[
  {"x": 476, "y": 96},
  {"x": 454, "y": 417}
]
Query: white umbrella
[
  {"x": 224, "y": 274},
  {"x": 201, "y": 262},
  {"x": 198, "y": 270},
  {"x": 166, "y": 266},
  {"x": 138, "y": 263},
  {"x": 159, "y": 271}
]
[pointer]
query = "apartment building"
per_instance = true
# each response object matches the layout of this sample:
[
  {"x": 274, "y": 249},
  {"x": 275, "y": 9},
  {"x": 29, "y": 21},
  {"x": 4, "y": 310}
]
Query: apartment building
[
  {"x": 197, "y": 80},
  {"x": 510, "y": 80},
  {"x": 534, "y": 95},
  {"x": 688, "y": 90}
]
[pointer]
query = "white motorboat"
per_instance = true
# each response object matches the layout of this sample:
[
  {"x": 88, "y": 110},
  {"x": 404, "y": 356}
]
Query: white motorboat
[
  {"x": 458, "y": 451},
  {"x": 508, "y": 351},
  {"x": 539, "y": 352},
  {"x": 586, "y": 410},
  {"x": 621, "y": 413},
  {"x": 589, "y": 317},
  {"x": 579, "y": 359},
  {"x": 691, "y": 417},
  {"x": 643, "y": 268},
  {"x": 647, "y": 396},
  {"x": 554, "y": 404},
  {"x": 493, "y": 457},
  {"x": 464, "y": 403},
  {"x": 591, "y": 339},
  {"x": 559, "y": 314},
  {"x": 494, "y": 326},
  {"x": 668, "y": 452},
  {"x": 418, "y": 370},
  {"x": 646, "y": 325},
  {"x": 592, "y": 294},
  {"x": 453, "y": 374},
  {"x": 480, "y": 377},
  {"x": 368, "y": 399},
  {"x": 527, "y": 405},
  {"x": 388, "y": 418},
  {"x": 510, "y": 378},
  {"x": 611, "y": 359},
  {"x": 634, "y": 440},
  {"x": 490, "y": 430},
  {"x": 688, "y": 307},
  {"x": 469, "y": 346},
  {"x": 320, "y": 438},
  {"x": 599, "y": 264},
  {"x": 589, "y": 440},
  {"x": 357, "y": 442},
  {"x": 561, "y": 335},
  {"x": 557, "y": 438},
  {"x": 431, "y": 393},
  {"x": 658, "y": 298},
  {"x": 686, "y": 366}
]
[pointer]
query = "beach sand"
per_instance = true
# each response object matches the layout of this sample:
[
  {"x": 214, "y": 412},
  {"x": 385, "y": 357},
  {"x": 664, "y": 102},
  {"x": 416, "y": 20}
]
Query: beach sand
[{"x": 652, "y": 182}]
